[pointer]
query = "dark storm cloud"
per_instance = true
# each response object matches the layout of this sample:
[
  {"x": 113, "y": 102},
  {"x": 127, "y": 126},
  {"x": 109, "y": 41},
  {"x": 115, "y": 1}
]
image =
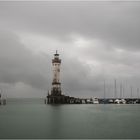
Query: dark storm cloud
[
  {"x": 114, "y": 22},
  {"x": 18, "y": 64}
]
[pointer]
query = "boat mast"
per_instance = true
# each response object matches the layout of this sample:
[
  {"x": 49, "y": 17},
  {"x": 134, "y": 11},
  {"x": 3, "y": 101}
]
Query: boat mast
[
  {"x": 137, "y": 92},
  {"x": 123, "y": 91},
  {"x": 131, "y": 91},
  {"x": 104, "y": 90},
  {"x": 120, "y": 90},
  {"x": 115, "y": 90}
]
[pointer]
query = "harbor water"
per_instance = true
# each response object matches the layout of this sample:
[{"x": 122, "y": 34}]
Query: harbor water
[{"x": 32, "y": 119}]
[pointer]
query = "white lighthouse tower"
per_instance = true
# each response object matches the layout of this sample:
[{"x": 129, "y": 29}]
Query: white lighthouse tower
[
  {"x": 56, "y": 85},
  {"x": 56, "y": 96}
]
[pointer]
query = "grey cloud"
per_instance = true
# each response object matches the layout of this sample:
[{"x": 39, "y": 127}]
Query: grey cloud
[
  {"x": 19, "y": 64},
  {"x": 114, "y": 22}
]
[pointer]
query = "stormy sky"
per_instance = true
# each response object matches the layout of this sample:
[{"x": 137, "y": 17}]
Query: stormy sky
[{"x": 97, "y": 42}]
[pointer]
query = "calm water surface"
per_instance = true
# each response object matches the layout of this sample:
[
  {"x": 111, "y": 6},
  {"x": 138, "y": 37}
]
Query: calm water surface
[{"x": 33, "y": 119}]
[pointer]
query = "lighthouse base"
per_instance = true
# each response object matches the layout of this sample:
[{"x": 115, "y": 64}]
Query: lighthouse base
[{"x": 58, "y": 99}]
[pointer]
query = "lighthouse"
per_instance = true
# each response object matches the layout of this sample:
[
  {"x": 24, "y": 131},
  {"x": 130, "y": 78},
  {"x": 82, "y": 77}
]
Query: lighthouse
[
  {"x": 55, "y": 95},
  {"x": 56, "y": 85}
]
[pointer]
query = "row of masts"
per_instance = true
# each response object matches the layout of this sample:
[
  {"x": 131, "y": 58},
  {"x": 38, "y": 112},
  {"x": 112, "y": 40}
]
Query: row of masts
[{"x": 122, "y": 90}]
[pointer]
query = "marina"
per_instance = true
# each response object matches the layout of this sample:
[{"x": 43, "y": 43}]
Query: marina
[
  {"x": 72, "y": 100},
  {"x": 56, "y": 96}
]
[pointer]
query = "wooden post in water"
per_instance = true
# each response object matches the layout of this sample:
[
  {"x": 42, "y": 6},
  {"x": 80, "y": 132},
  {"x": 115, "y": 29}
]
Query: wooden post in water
[
  {"x": 45, "y": 101},
  {"x": 4, "y": 101},
  {"x": 0, "y": 100}
]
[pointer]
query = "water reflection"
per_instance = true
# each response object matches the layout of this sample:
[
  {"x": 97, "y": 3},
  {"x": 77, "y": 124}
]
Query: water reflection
[{"x": 56, "y": 115}]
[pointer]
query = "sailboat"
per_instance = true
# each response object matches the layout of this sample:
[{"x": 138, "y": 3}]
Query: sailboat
[
  {"x": 122, "y": 101},
  {"x": 95, "y": 100}
]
